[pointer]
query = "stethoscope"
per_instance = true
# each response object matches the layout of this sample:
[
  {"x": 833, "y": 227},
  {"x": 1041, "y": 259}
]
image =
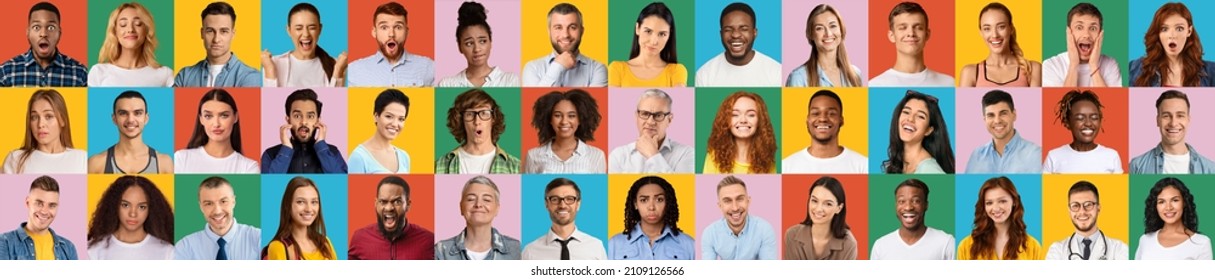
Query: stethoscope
[{"x": 1105, "y": 248}]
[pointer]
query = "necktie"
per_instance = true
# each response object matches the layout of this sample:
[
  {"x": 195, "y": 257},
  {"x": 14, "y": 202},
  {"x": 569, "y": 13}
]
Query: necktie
[
  {"x": 223, "y": 254},
  {"x": 565, "y": 248},
  {"x": 1088, "y": 250}
]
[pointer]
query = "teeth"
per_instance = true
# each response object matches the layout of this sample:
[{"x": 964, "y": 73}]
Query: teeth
[
  {"x": 823, "y": 127},
  {"x": 1087, "y": 131}
]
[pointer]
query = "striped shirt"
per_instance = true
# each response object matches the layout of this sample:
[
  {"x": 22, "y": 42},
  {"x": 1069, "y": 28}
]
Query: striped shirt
[
  {"x": 503, "y": 163},
  {"x": 24, "y": 71},
  {"x": 586, "y": 159},
  {"x": 409, "y": 71}
]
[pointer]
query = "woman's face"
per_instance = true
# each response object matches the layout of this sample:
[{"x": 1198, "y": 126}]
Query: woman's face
[
  {"x": 1084, "y": 122},
  {"x": 565, "y": 119},
  {"x": 827, "y": 35},
  {"x": 305, "y": 205},
  {"x": 823, "y": 206},
  {"x": 1173, "y": 34},
  {"x": 1170, "y": 205},
  {"x": 305, "y": 29},
  {"x": 476, "y": 45},
  {"x": 130, "y": 29},
  {"x": 391, "y": 120},
  {"x": 217, "y": 119},
  {"x": 479, "y": 124},
  {"x": 133, "y": 210},
  {"x": 479, "y": 205},
  {"x": 998, "y": 204},
  {"x": 744, "y": 118},
  {"x": 914, "y": 121},
  {"x": 651, "y": 202},
  {"x": 996, "y": 30},
  {"x": 45, "y": 123},
  {"x": 652, "y": 35}
]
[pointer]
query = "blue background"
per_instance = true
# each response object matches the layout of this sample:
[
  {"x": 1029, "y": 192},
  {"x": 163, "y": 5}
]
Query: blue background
[
  {"x": 333, "y": 26},
  {"x": 1029, "y": 186},
  {"x": 333, "y": 207},
  {"x": 592, "y": 215},
  {"x": 157, "y": 133},
  {"x": 881, "y": 106},
  {"x": 1141, "y": 13},
  {"x": 708, "y": 29}
]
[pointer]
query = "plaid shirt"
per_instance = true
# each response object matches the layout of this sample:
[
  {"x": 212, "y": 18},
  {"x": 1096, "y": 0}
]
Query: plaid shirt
[
  {"x": 503, "y": 163},
  {"x": 24, "y": 71}
]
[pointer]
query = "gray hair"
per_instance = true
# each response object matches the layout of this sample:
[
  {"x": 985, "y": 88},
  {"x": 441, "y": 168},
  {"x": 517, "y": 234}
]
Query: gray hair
[
  {"x": 564, "y": 9},
  {"x": 657, "y": 93},
  {"x": 481, "y": 179}
]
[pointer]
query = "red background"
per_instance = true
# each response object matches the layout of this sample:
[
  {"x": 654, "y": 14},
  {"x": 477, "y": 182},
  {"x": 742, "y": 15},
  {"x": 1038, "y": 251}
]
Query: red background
[
  {"x": 73, "y": 39},
  {"x": 531, "y": 137},
  {"x": 796, "y": 192},
  {"x": 248, "y": 103},
  {"x": 1113, "y": 134},
  {"x": 362, "y": 195},
  {"x": 938, "y": 52},
  {"x": 420, "y": 19}
]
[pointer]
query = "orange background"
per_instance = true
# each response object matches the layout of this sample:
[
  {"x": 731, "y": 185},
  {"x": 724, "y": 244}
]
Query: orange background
[
  {"x": 531, "y": 135},
  {"x": 938, "y": 52},
  {"x": 420, "y": 18},
  {"x": 362, "y": 195},
  {"x": 1113, "y": 134},
  {"x": 248, "y": 103},
  {"x": 795, "y": 193},
  {"x": 73, "y": 39}
]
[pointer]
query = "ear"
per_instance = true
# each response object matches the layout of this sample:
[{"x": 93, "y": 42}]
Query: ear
[
  {"x": 637, "y": 29},
  {"x": 927, "y": 34},
  {"x": 889, "y": 35},
  {"x": 929, "y": 130}
]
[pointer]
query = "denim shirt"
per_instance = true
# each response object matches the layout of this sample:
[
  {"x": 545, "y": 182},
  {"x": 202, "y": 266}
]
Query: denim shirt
[
  {"x": 668, "y": 246},
  {"x": 502, "y": 248},
  {"x": 1152, "y": 162},
  {"x": 1206, "y": 76},
  {"x": 1020, "y": 156},
  {"x": 17, "y": 245},
  {"x": 234, "y": 74}
]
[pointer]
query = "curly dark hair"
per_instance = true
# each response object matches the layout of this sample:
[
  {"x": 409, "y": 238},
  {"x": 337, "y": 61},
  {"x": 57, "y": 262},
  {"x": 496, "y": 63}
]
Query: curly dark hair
[
  {"x": 105, "y": 221},
  {"x": 1189, "y": 212},
  {"x": 670, "y": 214},
  {"x": 468, "y": 100},
  {"x": 584, "y": 104}
]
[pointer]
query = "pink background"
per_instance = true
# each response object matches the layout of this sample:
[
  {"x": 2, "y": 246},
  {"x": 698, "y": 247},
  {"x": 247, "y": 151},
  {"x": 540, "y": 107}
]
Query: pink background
[
  {"x": 70, "y": 221},
  {"x": 1144, "y": 133},
  {"x": 622, "y": 129},
  {"x": 449, "y": 222},
  {"x": 503, "y": 18},
  {"x": 333, "y": 114},
  {"x": 794, "y": 47},
  {"x": 765, "y": 203},
  {"x": 972, "y": 131}
]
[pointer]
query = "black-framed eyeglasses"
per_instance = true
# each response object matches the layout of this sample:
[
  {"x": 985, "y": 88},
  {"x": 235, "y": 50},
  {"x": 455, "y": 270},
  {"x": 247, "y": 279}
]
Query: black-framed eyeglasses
[
  {"x": 568, "y": 200},
  {"x": 484, "y": 115},
  {"x": 656, "y": 116},
  {"x": 1087, "y": 205}
]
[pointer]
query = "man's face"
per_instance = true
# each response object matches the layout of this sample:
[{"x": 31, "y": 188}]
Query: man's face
[
  {"x": 734, "y": 201},
  {"x": 303, "y": 119},
  {"x": 217, "y": 32},
  {"x": 130, "y": 115},
  {"x": 217, "y": 206},
  {"x": 391, "y": 206},
  {"x": 909, "y": 32},
  {"x": 389, "y": 33},
  {"x": 824, "y": 119},
  {"x": 43, "y": 33},
  {"x": 999, "y": 119},
  {"x": 564, "y": 32},
  {"x": 657, "y": 108},
  {"x": 479, "y": 124},
  {"x": 1084, "y": 209},
  {"x": 43, "y": 206},
  {"x": 737, "y": 34},
  {"x": 1085, "y": 29},
  {"x": 910, "y": 203},
  {"x": 1172, "y": 117},
  {"x": 562, "y": 203}
]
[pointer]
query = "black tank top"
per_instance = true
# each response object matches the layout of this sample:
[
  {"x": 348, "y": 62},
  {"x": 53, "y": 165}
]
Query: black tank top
[{"x": 111, "y": 166}]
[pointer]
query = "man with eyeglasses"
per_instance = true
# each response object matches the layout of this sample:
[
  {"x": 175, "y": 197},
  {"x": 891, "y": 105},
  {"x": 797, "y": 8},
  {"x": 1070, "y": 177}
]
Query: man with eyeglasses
[
  {"x": 738, "y": 235},
  {"x": 653, "y": 152},
  {"x": 564, "y": 241},
  {"x": 392, "y": 237},
  {"x": 476, "y": 121},
  {"x": 1088, "y": 242},
  {"x": 43, "y": 65},
  {"x": 824, "y": 120}
]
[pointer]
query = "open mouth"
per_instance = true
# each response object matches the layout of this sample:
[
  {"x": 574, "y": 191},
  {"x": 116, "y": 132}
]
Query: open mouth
[
  {"x": 44, "y": 46},
  {"x": 822, "y": 128},
  {"x": 736, "y": 215},
  {"x": 390, "y": 220},
  {"x": 1085, "y": 48},
  {"x": 1169, "y": 215},
  {"x": 736, "y": 46},
  {"x": 1172, "y": 45},
  {"x": 1088, "y": 132},
  {"x": 743, "y": 127},
  {"x": 908, "y": 128},
  {"x": 306, "y": 44},
  {"x": 996, "y": 42},
  {"x": 391, "y": 46},
  {"x": 303, "y": 130},
  {"x": 219, "y": 219},
  {"x": 908, "y": 217}
]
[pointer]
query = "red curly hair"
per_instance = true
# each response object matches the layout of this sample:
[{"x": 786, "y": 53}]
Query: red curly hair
[{"x": 763, "y": 142}]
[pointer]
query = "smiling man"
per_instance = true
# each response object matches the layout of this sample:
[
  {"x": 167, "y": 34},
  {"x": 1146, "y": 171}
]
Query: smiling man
[
  {"x": 740, "y": 64},
  {"x": 391, "y": 66},
  {"x": 35, "y": 240},
  {"x": 913, "y": 240},
  {"x": 1083, "y": 64},
  {"x": 566, "y": 66},
  {"x": 130, "y": 155},
  {"x": 738, "y": 235},
  {"x": 564, "y": 241},
  {"x": 222, "y": 238},
  {"x": 1088, "y": 242},
  {"x": 1173, "y": 155},
  {"x": 392, "y": 237},
  {"x": 1007, "y": 152},
  {"x": 909, "y": 33},
  {"x": 43, "y": 65},
  {"x": 221, "y": 68},
  {"x": 824, "y": 120}
]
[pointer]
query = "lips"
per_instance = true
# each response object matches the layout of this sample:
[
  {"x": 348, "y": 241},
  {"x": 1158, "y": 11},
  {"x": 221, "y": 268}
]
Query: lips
[
  {"x": 390, "y": 220},
  {"x": 651, "y": 218},
  {"x": 306, "y": 44},
  {"x": 909, "y": 128},
  {"x": 565, "y": 129},
  {"x": 736, "y": 46},
  {"x": 217, "y": 131},
  {"x": 42, "y": 134},
  {"x": 997, "y": 215},
  {"x": 44, "y": 46},
  {"x": 1172, "y": 45},
  {"x": 908, "y": 217},
  {"x": 1000, "y": 128},
  {"x": 219, "y": 219},
  {"x": 822, "y": 127},
  {"x": 742, "y": 127},
  {"x": 1085, "y": 47},
  {"x": 996, "y": 42},
  {"x": 1088, "y": 131},
  {"x": 303, "y": 130},
  {"x": 131, "y": 222}
]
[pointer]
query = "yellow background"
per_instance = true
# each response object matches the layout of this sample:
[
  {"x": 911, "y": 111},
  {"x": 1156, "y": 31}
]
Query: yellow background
[
  {"x": 535, "y": 29},
  {"x": 98, "y": 183},
  {"x": 14, "y": 107},
  {"x": 420, "y": 121},
  {"x": 187, "y": 30},
  {"x": 972, "y": 48},
  {"x": 796, "y": 105},
  {"x": 618, "y": 192},
  {"x": 1056, "y": 218}
]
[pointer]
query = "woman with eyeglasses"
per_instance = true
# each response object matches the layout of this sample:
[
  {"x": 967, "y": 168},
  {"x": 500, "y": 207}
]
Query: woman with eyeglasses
[
  {"x": 476, "y": 121},
  {"x": 919, "y": 137}
]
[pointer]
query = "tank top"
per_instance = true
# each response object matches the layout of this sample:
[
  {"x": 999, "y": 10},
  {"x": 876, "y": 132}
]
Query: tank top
[
  {"x": 111, "y": 166},
  {"x": 981, "y": 79}
]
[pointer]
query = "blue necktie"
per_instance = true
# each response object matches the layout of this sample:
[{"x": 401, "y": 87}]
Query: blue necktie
[{"x": 223, "y": 254}]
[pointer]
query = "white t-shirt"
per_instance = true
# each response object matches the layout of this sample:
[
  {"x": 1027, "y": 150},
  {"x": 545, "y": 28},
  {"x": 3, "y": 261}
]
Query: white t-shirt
[
  {"x": 478, "y": 256},
  {"x": 292, "y": 72},
  {"x": 151, "y": 248},
  {"x": 110, "y": 75},
  {"x": 70, "y": 161},
  {"x": 1197, "y": 248},
  {"x": 475, "y": 164},
  {"x": 1054, "y": 71},
  {"x": 847, "y": 162},
  {"x": 1174, "y": 164},
  {"x": 762, "y": 71},
  {"x": 934, "y": 245},
  {"x": 1066, "y": 160},
  {"x": 214, "y": 69},
  {"x": 197, "y": 160},
  {"x": 893, "y": 78}
]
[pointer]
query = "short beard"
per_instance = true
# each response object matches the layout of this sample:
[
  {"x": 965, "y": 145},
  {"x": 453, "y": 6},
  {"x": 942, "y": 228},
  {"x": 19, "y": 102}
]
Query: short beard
[
  {"x": 573, "y": 48},
  {"x": 384, "y": 50},
  {"x": 391, "y": 234}
]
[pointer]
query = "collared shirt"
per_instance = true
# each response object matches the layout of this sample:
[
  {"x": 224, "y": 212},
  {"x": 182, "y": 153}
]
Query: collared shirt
[
  {"x": 415, "y": 243},
  {"x": 636, "y": 246},
  {"x": 503, "y": 163},
  {"x": 1101, "y": 247},
  {"x": 18, "y": 245},
  {"x": 1020, "y": 156},
  {"x": 496, "y": 78},
  {"x": 24, "y": 71},
  {"x": 234, "y": 74},
  {"x": 546, "y": 72},
  {"x": 243, "y": 243},
  {"x": 800, "y": 75},
  {"x": 756, "y": 241},
  {"x": 581, "y": 246},
  {"x": 315, "y": 157},
  {"x": 672, "y": 157},
  {"x": 1152, "y": 162},
  {"x": 502, "y": 247},
  {"x": 375, "y": 70},
  {"x": 586, "y": 159},
  {"x": 799, "y": 245}
]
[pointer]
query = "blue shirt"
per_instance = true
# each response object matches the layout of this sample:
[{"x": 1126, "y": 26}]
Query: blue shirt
[
  {"x": 502, "y": 247},
  {"x": 24, "y": 71},
  {"x": 1206, "y": 76},
  {"x": 234, "y": 74},
  {"x": 799, "y": 76},
  {"x": 546, "y": 72},
  {"x": 409, "y": 71},
  {"x": 315, "y": 157},
  {"x": 17, "y": 245},
  {"x": 1152, "y": 162},
  {"x": 1020, "y": 156},
  {"x": 756, "y": 241},
  {"x": 243, "y": 243},
  {"x": 667, "y": 246},
  {"x": 361, "y": 161}
]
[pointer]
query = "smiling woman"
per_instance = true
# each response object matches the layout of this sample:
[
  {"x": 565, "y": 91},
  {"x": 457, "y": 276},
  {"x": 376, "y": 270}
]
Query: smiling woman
[
  {"x": 1006, "y": 64},
  {"x": 999, "y": 212},
  {"x": 301, "y": 231},
  {"x": 1081, "y": 113}
]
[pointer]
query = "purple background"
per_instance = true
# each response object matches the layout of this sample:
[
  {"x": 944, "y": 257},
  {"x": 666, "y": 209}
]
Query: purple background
[
  {"x": 69, "y": 221},
  {"x": 972, "y": 131},
  {"x": 503, "y": 18},
  {"x": 622, "y": 129},
  {"x": 794, "y": 47},
  {"x": 333, "y": 114},
  {"x": 449, "y": 222},
  {"x": 765, "y": 193},
  {"x": 1144, "y": 133}
]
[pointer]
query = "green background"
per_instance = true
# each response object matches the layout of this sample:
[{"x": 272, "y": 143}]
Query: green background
[
  {"x": 622, "y": 19},
  {"x": 189, "y": 218},
  {"x": 882, "y": 218},
  {"x": 1200, "y": 187},
  {"x": 162, "y": 16},
  {"x": 707, "y": 101},
  {"x": 508, "y": 99},
  {"x": 1114, "y": 16}
]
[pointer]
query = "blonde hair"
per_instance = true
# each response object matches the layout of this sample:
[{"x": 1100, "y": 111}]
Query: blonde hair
[{"x": 110, "y": 48}]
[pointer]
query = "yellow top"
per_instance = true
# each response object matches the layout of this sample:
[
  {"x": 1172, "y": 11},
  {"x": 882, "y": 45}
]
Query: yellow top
[
  {"x": 711, "y": 167},
  {"x": 1033, "y": 250},
  {"x": 619, "y": 75},
  {"x": 44, "y": 245},
  {"x": 279, "y": 252}
]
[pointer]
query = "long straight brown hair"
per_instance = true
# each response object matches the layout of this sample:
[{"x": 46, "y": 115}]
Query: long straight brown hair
[
  {"x": 316, "y": 231},
  {"x": 984, "y": 231},
  {"x": 61, "y": 115},
  {"x": 841, "y": 54}
]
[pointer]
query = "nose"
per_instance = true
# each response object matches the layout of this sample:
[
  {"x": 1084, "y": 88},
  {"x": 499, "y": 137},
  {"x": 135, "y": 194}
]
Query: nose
[{"x": 131, "y": 213}]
